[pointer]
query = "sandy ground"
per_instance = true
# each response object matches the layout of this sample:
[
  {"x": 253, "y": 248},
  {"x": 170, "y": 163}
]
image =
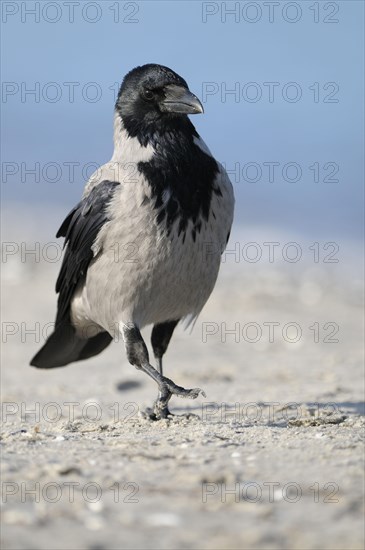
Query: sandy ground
[{"x": 273, "y": 460}]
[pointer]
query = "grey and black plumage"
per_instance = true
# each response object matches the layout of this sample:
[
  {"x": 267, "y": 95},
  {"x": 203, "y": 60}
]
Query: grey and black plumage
[{"x": 144, "y": 244}]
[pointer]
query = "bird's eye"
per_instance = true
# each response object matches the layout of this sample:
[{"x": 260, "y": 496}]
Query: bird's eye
[{"x": 148, "y": 94}]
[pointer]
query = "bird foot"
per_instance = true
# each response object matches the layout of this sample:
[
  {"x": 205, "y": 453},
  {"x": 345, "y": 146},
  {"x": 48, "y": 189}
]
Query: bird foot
[
  {"x": 167, "y": 388},
  {"x": 156, "y": 413}
]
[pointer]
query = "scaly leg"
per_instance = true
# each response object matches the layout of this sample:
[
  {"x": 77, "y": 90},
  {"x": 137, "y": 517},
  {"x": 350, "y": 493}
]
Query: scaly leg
[{"x": 137, "y": 354}]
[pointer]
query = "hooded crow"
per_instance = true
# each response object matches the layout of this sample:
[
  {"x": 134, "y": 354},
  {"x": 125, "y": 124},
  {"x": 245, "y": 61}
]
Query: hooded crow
[{"x": 144, "y": 244}]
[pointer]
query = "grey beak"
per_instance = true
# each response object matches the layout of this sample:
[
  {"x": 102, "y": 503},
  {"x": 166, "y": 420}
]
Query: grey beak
[{"x": 180, "y": 100}]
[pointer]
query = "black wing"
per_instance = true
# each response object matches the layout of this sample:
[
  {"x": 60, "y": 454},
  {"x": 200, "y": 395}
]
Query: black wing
[{"x": 80, "y": 229}]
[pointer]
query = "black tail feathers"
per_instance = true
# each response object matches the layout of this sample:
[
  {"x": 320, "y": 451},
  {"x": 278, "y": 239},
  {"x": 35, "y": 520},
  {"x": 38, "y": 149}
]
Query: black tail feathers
[{"x": 64, "y": 347}]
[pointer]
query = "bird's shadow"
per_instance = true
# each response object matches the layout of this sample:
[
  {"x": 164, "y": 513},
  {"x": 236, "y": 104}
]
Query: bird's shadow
[
  {"x": 128, "y": 385},
  {"x": 353, "y": 408},
  {"x": 349, "y": 408}
]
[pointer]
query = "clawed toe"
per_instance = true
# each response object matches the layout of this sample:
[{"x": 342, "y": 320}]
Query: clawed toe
[
  {"x": 156, "y": 413},
  {"x": 193, "y": 394},
  {"x": 182, "y": 392},
  {"x": 167, "y": 388}
]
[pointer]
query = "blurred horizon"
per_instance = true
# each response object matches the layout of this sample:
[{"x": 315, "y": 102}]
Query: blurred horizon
[{"x": 282, "y": 91}]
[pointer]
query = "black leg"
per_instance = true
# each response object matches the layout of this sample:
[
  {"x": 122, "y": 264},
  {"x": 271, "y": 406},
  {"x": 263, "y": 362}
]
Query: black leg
[
  {"x": 160, "y": 339},
  {"x": 137, "y": 354}
]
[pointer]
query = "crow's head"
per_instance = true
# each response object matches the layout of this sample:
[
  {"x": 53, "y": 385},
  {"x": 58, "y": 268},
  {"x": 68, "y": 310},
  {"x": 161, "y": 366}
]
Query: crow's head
[{"x": 152, "y": 95}]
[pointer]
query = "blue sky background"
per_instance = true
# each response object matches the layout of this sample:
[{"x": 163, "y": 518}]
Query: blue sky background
[{"x": 215, "y": 51}]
